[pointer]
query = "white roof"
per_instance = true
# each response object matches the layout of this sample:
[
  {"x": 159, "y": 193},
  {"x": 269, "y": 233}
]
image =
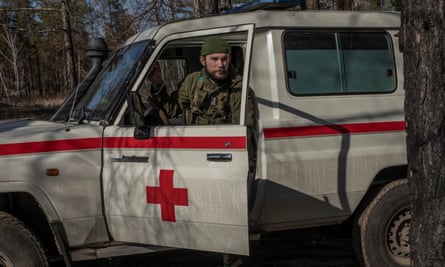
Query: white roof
[{"x": 273, "y": 19}]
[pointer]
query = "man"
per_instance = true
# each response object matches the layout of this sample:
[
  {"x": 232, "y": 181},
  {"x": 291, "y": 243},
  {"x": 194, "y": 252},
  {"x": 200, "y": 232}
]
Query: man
[{"x": 209, "y": 96}]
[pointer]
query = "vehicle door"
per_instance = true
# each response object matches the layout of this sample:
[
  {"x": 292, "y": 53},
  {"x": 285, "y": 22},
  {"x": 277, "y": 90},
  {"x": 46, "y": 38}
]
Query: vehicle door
[{"x": 181, "y": 186}]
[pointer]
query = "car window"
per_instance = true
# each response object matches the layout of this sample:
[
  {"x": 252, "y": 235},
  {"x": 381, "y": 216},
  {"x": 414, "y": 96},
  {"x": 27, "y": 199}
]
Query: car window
[{"x": 339, "y": 62}]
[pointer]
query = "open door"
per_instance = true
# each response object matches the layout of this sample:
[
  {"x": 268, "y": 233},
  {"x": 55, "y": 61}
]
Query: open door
[{"x": 184, "y": 186}]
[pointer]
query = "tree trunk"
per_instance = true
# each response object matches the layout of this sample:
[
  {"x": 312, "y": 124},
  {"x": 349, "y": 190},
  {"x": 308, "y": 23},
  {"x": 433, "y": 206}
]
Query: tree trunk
[
  {"x": 225, "y": 5},
  {"x": 208, "y": 8},
  {"x": 69, "y": 49},
  {"x": 197, "y": 8},
  {"x": 310, "y": 4},
  {"x": 423, "y": 43},
  {"x": 344, "y": 5},
  {"x": 4, "y": 87},
  {"x": 10, "y": 38}
]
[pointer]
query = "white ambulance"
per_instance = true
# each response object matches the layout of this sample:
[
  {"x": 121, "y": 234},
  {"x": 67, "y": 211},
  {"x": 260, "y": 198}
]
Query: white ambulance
[{"x": 328, "y": 146}]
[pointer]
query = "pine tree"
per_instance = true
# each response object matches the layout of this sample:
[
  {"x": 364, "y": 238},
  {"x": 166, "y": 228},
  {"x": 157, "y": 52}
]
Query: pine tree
[{"x": 423, "y": 42}]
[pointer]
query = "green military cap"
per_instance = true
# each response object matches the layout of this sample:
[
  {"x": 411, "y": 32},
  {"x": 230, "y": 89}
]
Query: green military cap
[{"x": 215, "y": 44}]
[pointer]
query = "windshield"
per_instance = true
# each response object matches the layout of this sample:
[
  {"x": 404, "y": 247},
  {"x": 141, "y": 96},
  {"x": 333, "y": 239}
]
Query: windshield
[
  {"x": 108, "y": 87},
  {"x": 109, "y": 82}
]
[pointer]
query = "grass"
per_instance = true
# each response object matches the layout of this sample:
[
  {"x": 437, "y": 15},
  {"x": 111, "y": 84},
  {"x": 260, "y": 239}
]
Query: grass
[
  {"x": 33, "y": 107},
  {"x": 38, "y": 102}
]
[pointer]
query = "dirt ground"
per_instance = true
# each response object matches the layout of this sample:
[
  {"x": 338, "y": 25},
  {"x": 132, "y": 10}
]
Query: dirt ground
[{"x": 302, "y": 248}]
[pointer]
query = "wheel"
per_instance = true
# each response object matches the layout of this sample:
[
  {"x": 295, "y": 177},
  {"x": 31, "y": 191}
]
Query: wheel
[
  {"x": 381, "y": 231},
  {"x": 18, "y": 245}
]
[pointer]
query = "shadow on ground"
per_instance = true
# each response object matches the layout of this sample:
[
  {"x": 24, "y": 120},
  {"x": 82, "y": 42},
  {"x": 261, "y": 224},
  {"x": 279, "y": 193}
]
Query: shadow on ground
[{"x": 326, "y": 247}]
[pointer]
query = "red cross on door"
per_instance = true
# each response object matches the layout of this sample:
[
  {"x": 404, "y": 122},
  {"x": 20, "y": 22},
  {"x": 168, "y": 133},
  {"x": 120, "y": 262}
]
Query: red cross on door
[{"x": 167, "y": 196}]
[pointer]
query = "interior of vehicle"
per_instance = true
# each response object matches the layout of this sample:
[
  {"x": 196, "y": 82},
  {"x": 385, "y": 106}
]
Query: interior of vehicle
[{"x": 176, "y": 61}]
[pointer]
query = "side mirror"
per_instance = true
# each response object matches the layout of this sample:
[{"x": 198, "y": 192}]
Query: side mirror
[{"x": 142, "y": 132}]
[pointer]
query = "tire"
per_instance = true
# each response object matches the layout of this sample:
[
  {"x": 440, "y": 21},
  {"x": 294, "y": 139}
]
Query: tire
[
  {"x": 19, "y": 247},
  {"x": 381, "y": 231}
]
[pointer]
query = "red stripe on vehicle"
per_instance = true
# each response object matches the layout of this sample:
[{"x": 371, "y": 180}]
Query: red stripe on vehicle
[
  {"x": 50, "y": 146},
  {"x": 335, "y": 129},
  {"x": 236, "y": 142}
]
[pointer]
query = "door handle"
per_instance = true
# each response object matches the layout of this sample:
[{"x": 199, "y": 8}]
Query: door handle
[{"x": 219, "y": 157}]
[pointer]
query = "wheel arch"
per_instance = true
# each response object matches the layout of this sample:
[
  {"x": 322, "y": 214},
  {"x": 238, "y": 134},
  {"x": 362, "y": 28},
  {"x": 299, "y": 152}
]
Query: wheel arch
[
  {"x": 382, "y": 178},
  {"x": 390, "y": 174},
  {"x": 25, "y": 207}
]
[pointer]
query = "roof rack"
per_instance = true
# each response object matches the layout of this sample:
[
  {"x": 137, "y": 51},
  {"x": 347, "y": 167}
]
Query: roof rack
[{"x": 264, "y": 4}]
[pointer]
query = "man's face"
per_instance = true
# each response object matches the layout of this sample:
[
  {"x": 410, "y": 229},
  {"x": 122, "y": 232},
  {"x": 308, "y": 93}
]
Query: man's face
[{"x": 216, "y": 65}]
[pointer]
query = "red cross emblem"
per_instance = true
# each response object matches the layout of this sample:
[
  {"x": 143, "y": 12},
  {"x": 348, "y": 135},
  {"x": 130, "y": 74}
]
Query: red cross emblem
[{"x": 167, "y": 196}]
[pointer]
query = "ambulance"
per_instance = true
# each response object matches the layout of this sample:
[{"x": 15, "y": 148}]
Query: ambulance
[{"x": 108, "y": 175}]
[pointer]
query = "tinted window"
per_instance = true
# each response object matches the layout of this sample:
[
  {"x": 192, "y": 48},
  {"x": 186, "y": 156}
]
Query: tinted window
[{"x": 339, "y": 62}]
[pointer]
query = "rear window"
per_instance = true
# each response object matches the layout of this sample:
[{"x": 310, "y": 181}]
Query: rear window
[{"x": 339, "y": 62}]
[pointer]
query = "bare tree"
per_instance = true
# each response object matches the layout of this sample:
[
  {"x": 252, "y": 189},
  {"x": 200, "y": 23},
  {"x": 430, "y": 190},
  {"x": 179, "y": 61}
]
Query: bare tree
[
  {"x": 208, "y": 7},
  {"x": 211, "y": 7},
  {"x": 71, "y": 80},
  {"x": 2, "y": 80},
  {"x": 423, "y": 42},
  {"x": 310, "y": 4},
  {"x": 10, "y": 38},
  {"x": 344, "y": 4},
  {"x": 225, "y": 5}
]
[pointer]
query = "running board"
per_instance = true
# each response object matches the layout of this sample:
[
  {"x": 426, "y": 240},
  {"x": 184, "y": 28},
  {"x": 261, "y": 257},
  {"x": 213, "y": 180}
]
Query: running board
[{"x": 84, "y": 254}]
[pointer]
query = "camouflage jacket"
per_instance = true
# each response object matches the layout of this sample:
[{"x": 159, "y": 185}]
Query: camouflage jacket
[
  {"x": 201, "y": 100},
  {"x": 206, "y": 102}
]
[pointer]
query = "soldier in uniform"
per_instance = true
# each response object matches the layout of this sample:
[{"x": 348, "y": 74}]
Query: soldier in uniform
[{"x": 211, "y": 95}]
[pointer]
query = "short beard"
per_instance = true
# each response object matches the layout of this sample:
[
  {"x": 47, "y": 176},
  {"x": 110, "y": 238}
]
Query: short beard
[{"x": 216, "y": 79}]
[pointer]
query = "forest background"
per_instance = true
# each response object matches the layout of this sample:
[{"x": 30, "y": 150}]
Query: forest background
[{"x": 42, "y": 43}]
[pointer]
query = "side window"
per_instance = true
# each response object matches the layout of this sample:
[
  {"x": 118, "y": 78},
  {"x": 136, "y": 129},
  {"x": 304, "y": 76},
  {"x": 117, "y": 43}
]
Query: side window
[
  {"x": 339, "y": 62},
  {"x": 171, "y": 72},
  {"x": 167, "y": 73},
  {"x": 310, "y": 55},
  {"x": 158, "y": 90},
  {"x": 368, "y": 62}
]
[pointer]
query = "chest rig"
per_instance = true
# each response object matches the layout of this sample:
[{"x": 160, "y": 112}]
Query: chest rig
[{"x": 210, "y": 103}]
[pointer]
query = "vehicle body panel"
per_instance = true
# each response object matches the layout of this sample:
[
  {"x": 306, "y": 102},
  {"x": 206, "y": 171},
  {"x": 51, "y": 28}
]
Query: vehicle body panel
[
  {"x": 74, "y": 194},
  {"x": 211, "y": 211}
]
